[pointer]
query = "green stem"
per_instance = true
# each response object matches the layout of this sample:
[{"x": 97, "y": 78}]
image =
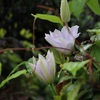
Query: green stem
[{"x": 53, "y": 89}]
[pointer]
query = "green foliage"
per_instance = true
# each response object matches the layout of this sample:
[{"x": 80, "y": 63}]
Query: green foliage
[
  {"x": 51, "y": 18},
  {"x": 0, "y": 68},
  {"x": 73, "y": 67},
  {"x": 57, "y": 97},
  {"x": 76, "y": 7},
  {"x": 94, "y": 6},
  {"x": 28, "y": 44},
  {"x": 73, "y": 91},
  {"x": 59, "y": 57},
  {"x": 9, "y": 56},
  {"x": 15, "y": 75},
  {"x": 26, "y": 33},
  {"x": 2, "y": 32},
  {"x": 96, "y": 76},
  {"x": 97, "y": 31},
  {"x": 29, "y": 70},
  {"x": 22, "y": 63},
  {"x": 95, "y": 53}
]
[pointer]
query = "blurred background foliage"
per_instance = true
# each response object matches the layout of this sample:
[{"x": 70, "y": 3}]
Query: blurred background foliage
[{"x": 16, "y": 31}]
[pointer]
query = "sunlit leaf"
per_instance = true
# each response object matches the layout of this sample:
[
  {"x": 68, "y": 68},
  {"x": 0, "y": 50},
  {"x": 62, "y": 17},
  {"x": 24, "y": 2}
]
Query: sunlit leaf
[
  {"x": 73, "y": 67},
  {"x": 94, "y": 6},
  {"x": 15, "y": 75},
  {"x": 51, "y": 18}
]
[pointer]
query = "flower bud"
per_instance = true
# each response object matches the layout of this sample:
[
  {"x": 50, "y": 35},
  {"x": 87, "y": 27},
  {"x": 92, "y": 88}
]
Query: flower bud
[
  {"x": 44, "y": 68},
  {"x": 64, "y": 11}
]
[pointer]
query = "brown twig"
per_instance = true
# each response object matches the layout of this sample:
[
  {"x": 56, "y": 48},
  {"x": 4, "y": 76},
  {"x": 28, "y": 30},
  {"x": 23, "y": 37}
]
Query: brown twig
[
  {"x": 32, "y": 49},
  {"x": 48, "y": 8}
]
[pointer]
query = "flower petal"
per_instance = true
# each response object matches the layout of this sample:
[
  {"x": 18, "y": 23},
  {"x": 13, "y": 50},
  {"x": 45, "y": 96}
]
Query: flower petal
[
  {"x": 44, "y": 68},
  {"x": 74, "y": 31},
  {"x": 51, "y": 40},
  {"x": 51, "y": 64},
  {"x": 40, "y": 71},
  {"x": 65, "y": 33}
]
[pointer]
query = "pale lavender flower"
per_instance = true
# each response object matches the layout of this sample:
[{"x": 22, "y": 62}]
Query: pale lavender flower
[
  {"x": 44, "y": 68},
  {"x": 63, "y": 39}
]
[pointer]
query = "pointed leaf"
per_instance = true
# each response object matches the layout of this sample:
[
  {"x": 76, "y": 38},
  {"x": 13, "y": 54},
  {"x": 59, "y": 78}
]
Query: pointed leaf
[
  {"x": 94, "y": 6},
  {"x": 51, "y": 18},
  {"x": 76, "y": 7},
  {"x": 73, "y": 93},
  {"x": 73, "y": 67},
  {"x": 15, "y": 75}
]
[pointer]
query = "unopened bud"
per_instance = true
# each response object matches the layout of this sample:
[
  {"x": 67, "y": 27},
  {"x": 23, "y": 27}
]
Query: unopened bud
[{"x": 64, "y": 11}]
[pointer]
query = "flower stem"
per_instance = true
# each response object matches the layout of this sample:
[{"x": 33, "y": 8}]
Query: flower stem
[{"x": 53, "y": 89}]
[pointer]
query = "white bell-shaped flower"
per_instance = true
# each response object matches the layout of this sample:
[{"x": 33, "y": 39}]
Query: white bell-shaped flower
[{"x": 63, "y": 39}]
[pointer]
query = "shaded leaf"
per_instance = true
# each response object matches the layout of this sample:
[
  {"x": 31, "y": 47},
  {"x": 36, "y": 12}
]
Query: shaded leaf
[
  {"x": 94, "y": 6},
  {"x": 95, "y": 53},
  {"x": 0, "y": 68},
  {"x": 29, "y": 70},
  {"x": 59, "y": 57},
  {"x": 73, "y": 91},
  {"x": 15, "y": 75},
  {"x": 58, "y": 97},
  {"x": 76, "y": 7}
]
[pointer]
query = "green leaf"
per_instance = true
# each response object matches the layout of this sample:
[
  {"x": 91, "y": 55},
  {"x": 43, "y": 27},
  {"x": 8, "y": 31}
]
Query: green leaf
[
  {"x": 29, "y": 70},
  {"x": 0, "y": 68},
  {"x": 57, "y": 97},
  {"x": 96, "y": 76},
  {"x": 76, "y": 7},
  {"x": 25, "y": 33},
  {"x": 95, "y": 53},
  {"x": 94, "y": 6},
  {"x": 2, "y": 32},
  {"x": 50, "y": 18},
  {"x": 96, "y": 39},
  {"x": 64, "y": 91},
  {"x": 73, "y": 67},
  {"x": 15, "y": 75},
  {"x": 97, "y": 31},
  {"x": 22, "y": 63},
  {"x": 73, "y": 91}
]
